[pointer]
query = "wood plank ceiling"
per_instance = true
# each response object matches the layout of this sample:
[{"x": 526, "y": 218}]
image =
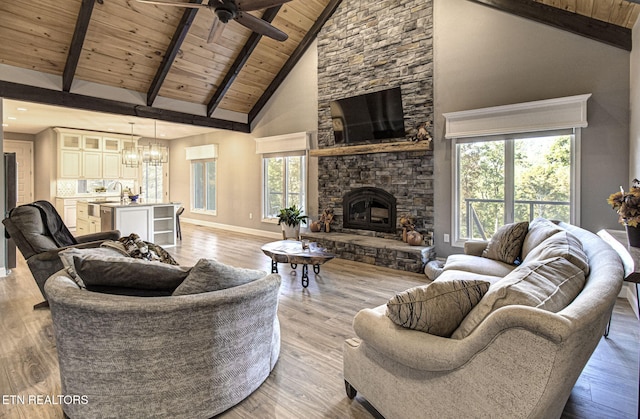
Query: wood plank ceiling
[{"x": 161, "y": 52}]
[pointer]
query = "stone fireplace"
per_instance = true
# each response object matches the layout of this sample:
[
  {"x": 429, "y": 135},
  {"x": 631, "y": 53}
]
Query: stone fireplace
[
  {"x": 369, "y": 209},
  {"x": 364, "y": 47}
]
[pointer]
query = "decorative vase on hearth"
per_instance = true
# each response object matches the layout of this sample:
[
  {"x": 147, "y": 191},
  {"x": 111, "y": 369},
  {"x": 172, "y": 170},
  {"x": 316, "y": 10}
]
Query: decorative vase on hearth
[{"x": 414, "y": 238}]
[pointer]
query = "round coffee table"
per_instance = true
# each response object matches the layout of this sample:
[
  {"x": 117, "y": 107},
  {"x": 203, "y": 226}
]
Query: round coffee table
[{"x": 291, "y": 251}]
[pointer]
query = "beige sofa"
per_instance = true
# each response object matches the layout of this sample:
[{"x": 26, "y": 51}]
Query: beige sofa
[{"x": 507, "y": 358}]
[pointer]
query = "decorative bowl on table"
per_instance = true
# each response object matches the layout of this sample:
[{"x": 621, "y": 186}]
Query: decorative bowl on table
[{"x": 134, "y": 198}]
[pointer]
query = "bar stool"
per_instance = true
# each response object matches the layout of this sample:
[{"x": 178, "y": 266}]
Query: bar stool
[{"x": 178, "y": 229}]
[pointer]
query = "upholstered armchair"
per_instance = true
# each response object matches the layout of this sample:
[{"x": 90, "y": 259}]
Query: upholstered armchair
[
  {"x": 178, "y": 356},
  {"x": 30, "y": 226}
]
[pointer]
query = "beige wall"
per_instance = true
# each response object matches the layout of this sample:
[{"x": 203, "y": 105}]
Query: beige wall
[
  {"x": 238, "y": 178},
  {"x": 45, "y": 157},
  {"x": 484, "y": 57},
  {"x": 293, "y": 108},
  {"x": 634, "y": 139}
]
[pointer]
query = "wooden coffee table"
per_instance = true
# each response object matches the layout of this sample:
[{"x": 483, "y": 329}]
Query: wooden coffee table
[{"x": 290, "y": 251}]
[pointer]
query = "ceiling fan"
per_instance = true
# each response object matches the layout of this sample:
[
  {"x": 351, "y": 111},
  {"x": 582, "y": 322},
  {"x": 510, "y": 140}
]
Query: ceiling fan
[{"x": 226, "y": 10}]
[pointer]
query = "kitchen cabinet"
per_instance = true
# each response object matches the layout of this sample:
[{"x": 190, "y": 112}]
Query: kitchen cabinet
[
  {"x": 134, "y": 219},
  {"x": 92, "y": 165},
  {"x": 67, "y": 209},
  {"x": 111, "y": 165},
  {"x": 94, "y": 225},
  {"x": 84, "y": 155},
  {"x": 70, "y": 164}
]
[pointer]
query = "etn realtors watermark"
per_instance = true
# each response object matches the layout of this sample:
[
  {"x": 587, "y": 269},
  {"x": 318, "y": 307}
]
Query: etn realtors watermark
[{"x": 43, "y": 399}]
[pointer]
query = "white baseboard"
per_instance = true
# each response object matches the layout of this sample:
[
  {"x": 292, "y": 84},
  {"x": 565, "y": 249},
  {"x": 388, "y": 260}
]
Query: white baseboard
[
  {"x": 3, "y": 272},
  {"x": 227, "y": 227}
]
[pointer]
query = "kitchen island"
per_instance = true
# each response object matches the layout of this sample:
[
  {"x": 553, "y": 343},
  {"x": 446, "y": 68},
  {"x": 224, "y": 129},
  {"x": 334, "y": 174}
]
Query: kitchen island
[{"x": 153, "y": 222}]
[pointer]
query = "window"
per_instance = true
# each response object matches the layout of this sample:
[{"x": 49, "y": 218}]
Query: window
[
  {"x": 203, "y": 186},
  {"x": 284, "y": 184},
  {"x": 152, "y": 185},
  {"x": 508, "y": 180}
]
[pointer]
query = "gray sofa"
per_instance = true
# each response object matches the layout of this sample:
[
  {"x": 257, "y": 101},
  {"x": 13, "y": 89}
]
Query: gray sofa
[
  {"x": 516, "y": 360},
  {"x": 192, "y": 355}
]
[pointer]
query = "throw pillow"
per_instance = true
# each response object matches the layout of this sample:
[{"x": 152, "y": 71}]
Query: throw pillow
[
  {"x": 506, "y": 243},
  {"x": 437, "y": 308},
  {"x": 210, "y": 275},
  {"x": 126, "y": 272},
  {"x": 540, "y": 229},
  {"x": 549, "y": 284},
  {"x": 563, "y": 244},
  {"x": 66, "y": 256}
]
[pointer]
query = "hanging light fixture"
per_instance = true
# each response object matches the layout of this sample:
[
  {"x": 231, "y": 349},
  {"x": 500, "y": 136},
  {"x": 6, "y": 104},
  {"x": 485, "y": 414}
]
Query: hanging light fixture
[
  {"x": 153, "y": 153},
  {"x": 131, "y": 153}
]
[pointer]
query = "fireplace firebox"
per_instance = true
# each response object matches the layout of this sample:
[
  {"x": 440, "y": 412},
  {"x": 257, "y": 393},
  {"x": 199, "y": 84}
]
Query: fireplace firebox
[{"x": 369, "y": 209}]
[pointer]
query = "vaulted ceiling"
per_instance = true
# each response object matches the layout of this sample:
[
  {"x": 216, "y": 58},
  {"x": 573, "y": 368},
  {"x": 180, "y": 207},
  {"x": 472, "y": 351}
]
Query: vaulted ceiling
[{"x": 95, "y": 52}]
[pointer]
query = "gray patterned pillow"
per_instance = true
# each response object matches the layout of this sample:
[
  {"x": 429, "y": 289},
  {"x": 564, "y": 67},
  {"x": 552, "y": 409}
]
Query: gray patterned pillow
[
  {"x": 437, "y": 308},
  {"x": 210, "y": 275},
  {"x": 506, "y": 244}
]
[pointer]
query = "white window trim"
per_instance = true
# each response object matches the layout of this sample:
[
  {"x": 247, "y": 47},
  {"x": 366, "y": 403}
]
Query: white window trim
[
  {"x": 274, "y": 220},
  {"x": 530, "y": 117}
]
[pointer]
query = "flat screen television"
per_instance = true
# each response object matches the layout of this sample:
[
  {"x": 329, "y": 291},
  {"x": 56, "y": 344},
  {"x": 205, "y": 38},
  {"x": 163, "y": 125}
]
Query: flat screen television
[{"x": 368, "y": 118}]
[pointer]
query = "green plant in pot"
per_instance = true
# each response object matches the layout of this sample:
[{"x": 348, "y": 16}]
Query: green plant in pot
[
  {"x": 627, "y": 205},
  {"x": 290, "y": 219}
]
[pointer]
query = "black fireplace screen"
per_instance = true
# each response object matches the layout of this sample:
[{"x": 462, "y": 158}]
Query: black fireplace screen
[{"x": 369, "y": 209}]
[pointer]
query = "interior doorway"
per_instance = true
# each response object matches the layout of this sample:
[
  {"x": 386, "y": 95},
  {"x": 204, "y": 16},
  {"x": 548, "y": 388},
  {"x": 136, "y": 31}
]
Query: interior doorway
[{"x": 24, "y": 163}]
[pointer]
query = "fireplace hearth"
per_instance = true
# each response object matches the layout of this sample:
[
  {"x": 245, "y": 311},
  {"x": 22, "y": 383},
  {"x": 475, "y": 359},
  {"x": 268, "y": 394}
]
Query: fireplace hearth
[{"x": 369, "y": 209}]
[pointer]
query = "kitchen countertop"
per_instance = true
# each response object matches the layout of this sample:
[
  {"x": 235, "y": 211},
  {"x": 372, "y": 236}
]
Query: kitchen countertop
[{"x": 144, "y": 204}]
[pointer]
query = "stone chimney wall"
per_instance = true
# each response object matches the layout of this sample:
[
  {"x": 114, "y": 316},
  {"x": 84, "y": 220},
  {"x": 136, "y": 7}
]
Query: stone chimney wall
[{"x": 368, "y": 46}]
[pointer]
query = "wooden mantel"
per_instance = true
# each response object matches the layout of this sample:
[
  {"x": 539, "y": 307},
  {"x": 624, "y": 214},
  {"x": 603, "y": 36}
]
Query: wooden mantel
[{"x": 372, "y": 148}]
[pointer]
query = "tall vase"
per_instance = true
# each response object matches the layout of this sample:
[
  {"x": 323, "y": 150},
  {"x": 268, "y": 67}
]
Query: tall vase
[{"x": 633, "y": 235}]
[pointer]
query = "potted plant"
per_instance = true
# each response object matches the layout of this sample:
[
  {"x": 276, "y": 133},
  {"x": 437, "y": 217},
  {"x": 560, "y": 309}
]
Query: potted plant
[
  {"x": 627, "y": 205},
  {"x": 290, "y": 219}
]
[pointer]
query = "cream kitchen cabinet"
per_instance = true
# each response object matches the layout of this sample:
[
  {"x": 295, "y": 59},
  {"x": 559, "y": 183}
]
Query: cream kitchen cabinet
[
  {"x": 67, "y": 209},
  {"x": 84, "y": 155},
  {"x": 111, "y": 166}
]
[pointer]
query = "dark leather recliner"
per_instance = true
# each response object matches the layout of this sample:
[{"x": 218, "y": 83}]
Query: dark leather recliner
[{"x": 40, "y": 234}]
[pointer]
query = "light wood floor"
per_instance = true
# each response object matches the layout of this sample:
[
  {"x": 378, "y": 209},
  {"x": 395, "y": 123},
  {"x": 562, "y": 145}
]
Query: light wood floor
[{"x": 307, "y": 381}]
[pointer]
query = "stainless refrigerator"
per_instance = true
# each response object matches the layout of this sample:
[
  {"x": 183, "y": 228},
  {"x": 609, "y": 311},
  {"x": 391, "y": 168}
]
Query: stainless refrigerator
[{"x": 10, "y": 202}]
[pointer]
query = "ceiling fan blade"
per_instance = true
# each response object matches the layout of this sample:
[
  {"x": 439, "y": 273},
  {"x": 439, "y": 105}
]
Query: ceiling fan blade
[
  {"x": 216, "y": 31},
  {"x": 175, "y": 3},
  {"x": 248, "y": 5},
  {"x": 260, "y": 26}
]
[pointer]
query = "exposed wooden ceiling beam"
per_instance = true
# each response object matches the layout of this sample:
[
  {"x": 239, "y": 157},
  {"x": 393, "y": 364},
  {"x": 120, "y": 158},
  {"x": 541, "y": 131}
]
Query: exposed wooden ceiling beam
[
  {"x": 294, "y": 58},
  {"x": 172, "y": 51},
  {"x": 80, "y": 32},
  {"x": 27, "y": 93},
  {"x": 240, "y": 61},
  {"x": 608, "y": 33}
]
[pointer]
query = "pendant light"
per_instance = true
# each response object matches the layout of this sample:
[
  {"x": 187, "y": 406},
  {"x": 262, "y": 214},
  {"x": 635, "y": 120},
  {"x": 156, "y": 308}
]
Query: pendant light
[
  {"x": 155, "y": 154},
  {"x": 130, "y": 152}
]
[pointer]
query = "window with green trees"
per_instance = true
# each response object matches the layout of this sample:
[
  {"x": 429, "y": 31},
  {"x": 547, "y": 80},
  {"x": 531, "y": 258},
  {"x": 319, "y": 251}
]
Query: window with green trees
[
  {"x": 284, "y": 184},
  {"x": 511, "y": 180}
]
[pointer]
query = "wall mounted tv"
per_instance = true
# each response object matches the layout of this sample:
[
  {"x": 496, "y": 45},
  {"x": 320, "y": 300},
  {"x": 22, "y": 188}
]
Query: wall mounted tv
[{"x": 368, "y": 118}]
